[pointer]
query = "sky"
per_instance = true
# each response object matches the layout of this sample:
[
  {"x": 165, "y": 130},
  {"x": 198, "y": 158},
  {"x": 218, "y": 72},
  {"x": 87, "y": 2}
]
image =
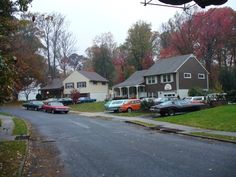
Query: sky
[{"x": 90, "y": 18}]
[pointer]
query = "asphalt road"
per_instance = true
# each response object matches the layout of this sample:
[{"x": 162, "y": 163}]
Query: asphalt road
[{"x": 96, "y": 147}]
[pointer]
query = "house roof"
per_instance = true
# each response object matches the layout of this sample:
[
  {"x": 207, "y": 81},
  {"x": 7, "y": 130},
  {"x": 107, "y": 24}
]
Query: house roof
[
  {"x": 93, "y": 76},
  {"x": 53, "y": 84},
  {"x": 168, "y": 65},
  {"x": 135, "y": 79}
]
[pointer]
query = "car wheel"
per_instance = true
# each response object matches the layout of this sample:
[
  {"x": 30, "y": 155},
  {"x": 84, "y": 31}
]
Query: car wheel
[
  {"x": 36, "y": 109},
  {"x": 53, "y": 111},
  {"x": 171, "y": 112},
  {"x": 27, "y": 108},
  {"x": 129, "y": 109},
  {"x": 162, "y": 114},
  {"x": 66, "y": 112}
]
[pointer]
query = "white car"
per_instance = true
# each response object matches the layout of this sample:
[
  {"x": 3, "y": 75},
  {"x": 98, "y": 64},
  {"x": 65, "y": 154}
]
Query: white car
[
  {"x": 195, "y": 99},
  {"x": 114, "y": 105}
]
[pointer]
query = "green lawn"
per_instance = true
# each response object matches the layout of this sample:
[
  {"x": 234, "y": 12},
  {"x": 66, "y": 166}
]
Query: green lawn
[
  {"x": 210, "y": 135},
  {"x": 12, "y": 153},
  {"x": 20, "y": 127},
  {"x": 219, "y": 118},
  {"x": 89, "y": 107},
  {"x": 11, "y": 157}
]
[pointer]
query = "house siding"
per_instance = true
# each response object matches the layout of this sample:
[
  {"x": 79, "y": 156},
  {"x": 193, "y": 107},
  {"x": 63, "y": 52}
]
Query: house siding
[
  {"x": 98, "y": 91},
  {"x": 194, "y": 67},
  {"x": 155, "y": 88}
]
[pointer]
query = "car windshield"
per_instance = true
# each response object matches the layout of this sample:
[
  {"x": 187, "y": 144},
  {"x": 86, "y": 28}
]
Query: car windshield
[
  {"x": 166, "y": 103},
  {"x": 37, "y": 102},
  {"x": 56, "y": 104}
]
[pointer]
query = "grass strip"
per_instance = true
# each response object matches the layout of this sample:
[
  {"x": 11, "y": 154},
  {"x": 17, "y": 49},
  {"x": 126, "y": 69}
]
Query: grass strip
[
  {"x": 89, "y": 107},
  {"x": 143, "y": 123},
  {"x": 215, "y": 136},
  {"x": 11, "y": 157},
  {"x": 221, "y": 118},
  {"x": 20, "y": 127}
]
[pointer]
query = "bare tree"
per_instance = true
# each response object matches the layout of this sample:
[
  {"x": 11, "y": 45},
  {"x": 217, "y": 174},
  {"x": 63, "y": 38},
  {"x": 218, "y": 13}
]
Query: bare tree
[{"x": 67, "y": 47}]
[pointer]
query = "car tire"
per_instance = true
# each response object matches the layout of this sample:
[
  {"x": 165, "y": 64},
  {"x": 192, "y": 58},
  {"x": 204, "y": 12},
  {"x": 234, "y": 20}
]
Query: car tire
[
  {"x": 171, "y": 112},
  {"x": 162, "y": 114},
  {"x": 66, "y": 112},
  {"x": 27, "y": 108},
  {"x": 129, "y": 110},
  {"x": 53, "y": 111}
]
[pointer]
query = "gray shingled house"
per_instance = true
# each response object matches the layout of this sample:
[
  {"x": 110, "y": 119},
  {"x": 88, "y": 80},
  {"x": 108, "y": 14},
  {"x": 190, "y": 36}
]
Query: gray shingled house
[
  {"x": 170, "y": 77},
  {"x": 133, "y": 87},
  {"x": 53, "y": 89},
  {"x": 175, "y": 76}
]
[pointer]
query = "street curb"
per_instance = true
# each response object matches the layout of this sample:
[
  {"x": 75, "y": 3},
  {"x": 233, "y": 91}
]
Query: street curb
[
  {"x": 181, "y": 132},
  {"x": 209, "y": 138}
]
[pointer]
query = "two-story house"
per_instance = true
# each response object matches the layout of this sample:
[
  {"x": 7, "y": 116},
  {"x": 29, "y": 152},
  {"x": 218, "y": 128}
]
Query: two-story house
[
  {"x": 175, "y": 76},
  {"x": 89, "y": 84},
  {"x": 170, "y": 77}
]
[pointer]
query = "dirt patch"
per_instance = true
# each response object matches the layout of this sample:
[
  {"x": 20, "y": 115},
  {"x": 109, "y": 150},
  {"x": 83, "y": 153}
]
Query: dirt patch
[{"x": 42, "y": 158}]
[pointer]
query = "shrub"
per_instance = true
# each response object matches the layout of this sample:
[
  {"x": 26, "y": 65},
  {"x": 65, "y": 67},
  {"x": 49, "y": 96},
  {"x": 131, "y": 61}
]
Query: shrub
[
  {"x": 38, "y": 97},
  {"x": 196, "y": 91},
  {"x": 146, "y": 105},
  {"x": 231, "y": 96},
  {"x": 75, "y": 94}
]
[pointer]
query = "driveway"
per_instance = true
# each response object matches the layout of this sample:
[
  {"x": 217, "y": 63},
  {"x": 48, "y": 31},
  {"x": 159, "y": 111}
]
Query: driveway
[{"x": 103, "y": 147}]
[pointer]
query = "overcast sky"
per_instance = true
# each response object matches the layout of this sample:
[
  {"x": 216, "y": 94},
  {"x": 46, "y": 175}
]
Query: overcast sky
[{"x": 89, "y": 18}]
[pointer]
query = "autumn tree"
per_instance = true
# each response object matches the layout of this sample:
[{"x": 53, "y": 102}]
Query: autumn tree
[
  {"x": 67, "y": 47},
  {"x": 101, "y": 55},
  {"x": 142, "y": 45},
  {"x": 9, "y": 24},
  {"x": 76, "y": 62},
  {"x": 58, "y": 42},
  {"x": 208, "y": 34}
]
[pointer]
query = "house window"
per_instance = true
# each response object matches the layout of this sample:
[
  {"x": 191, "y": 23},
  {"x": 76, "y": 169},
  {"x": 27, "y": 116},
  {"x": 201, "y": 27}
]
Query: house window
[
  {"x": 201, "y": 76},
  {"x": 69, "y": 85},
  {"x": 103, "y": 83},
  {"x": 81, "y": 84},
  {"x": 95, "y": 82},
  {"x": 151, "y": 80},
  {"x": 166, "y": 78},
  {"x": 187, "y": 75}
]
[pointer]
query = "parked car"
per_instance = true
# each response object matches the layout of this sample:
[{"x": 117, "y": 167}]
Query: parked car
[
  {"x": 55, "y": 106},
  {"x": 86, "y": 100},
  {"x": 130, "y": 105},
  {"x": 65, "y": 101},
  {"x": 35, "y": 105},
  {"x": 172, "y": 107},
  {"x": 195, "y": 99},
  {"x": 114, "y": 105},
  {"x": 162, "y": 100}
]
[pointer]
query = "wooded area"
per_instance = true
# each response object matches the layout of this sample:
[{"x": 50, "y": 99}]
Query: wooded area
[{"x": 36, "y": 46}]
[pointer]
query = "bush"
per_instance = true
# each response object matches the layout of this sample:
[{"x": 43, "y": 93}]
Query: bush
[
  {"x": 196, "y": 92},
  {"x": 75, "y": 94},
  {"x": 231, "y": 96},
  {"x": 146, "y": 105},
  {"x": 39, "y": 97}
]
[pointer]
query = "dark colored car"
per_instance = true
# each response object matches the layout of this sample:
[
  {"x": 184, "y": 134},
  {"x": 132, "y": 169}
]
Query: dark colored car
[
  {"x": 172, "y": 107},
  {"x": 35, "y": 105},
  {"x": 86, "y": 100},
  {"x": 162, "y": 100},
  {"x": 65, "y": 101},
  {"x": 55, "y": 106}
]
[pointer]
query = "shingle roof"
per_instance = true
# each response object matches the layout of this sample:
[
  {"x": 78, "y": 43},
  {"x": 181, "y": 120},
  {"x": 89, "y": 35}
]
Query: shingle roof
[
  {"x": 135, "y": 79},
  {"x": 168, "y": 65},
  {"x": 93, "y": 76},
  {"x": 54, "y": 84}
]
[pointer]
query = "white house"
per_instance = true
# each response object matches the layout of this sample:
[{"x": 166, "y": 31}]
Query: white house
[{"x": 89, "y": 84}]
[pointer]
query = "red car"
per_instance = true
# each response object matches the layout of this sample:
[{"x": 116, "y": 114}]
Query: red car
[
  {"x": 130, "y": 105},
  {"x": 54, "y": 107}
]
